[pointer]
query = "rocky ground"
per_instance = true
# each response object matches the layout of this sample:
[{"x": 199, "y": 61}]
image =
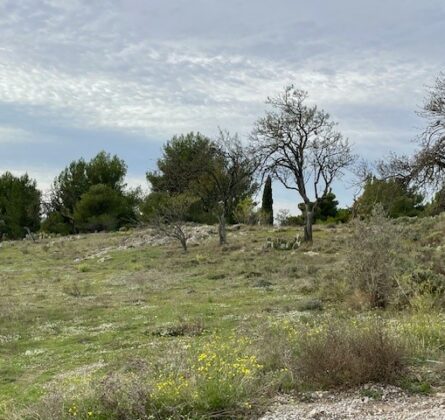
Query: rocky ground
[{"x": 373, "y": 402}]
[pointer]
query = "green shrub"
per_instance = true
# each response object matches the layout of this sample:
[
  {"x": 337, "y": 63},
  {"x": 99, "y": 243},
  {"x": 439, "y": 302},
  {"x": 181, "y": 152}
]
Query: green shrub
[
  {"x": 55, "y": 223},
  {"x": 103, "y": 208}
]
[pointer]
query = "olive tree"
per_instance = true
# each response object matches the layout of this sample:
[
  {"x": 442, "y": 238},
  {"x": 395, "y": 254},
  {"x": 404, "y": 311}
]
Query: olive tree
[{"x": 299, "y": 145}]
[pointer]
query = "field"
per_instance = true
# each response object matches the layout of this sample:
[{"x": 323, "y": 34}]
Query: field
[{"x": 126, "y": 312}]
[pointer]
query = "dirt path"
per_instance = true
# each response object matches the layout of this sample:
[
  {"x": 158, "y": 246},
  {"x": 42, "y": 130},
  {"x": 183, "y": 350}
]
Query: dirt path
[{"x": 376, "y": 402}]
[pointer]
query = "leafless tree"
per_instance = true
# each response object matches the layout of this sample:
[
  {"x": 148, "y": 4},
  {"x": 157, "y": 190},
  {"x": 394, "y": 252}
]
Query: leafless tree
[
  {"x": 169, "y": 218},
  {"x": 300, "y": 146},
  {"x": 230, "y": 178},
  {"x": 426, "y": 168}
]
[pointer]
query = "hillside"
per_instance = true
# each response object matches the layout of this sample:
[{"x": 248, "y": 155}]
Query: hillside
[{"x": 130, "y": 307}]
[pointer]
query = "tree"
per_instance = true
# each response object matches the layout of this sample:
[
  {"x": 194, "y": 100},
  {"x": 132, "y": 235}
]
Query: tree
[
  {"x": 426, "y": 168},
  {"x": 396, "y": 198},
  {"x": 106, "y": 170},
  {"x": 169, "y": 218},
  {"x": 66, "y": 191},
  {"x": 229, "y": 178},
  {"x": 76, "y": 180},
  {"x": 19, "y": 206},
  {"x": 437, "y": 205},
  {"x": 103, "y": 208},
  {"x": 267, "y": 202},
  {"x": 298, "y": 145},
  {"x": 182, "y": 166},
  {"x": 183, "y": 162},
  {"x": 327, "y": 207}
]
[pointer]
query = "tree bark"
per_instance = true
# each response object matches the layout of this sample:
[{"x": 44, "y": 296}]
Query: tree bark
[
  {"x": 309, "y": 216},
  {"x": 222, "y": 229},
  {"x": 184, "y": 244}
]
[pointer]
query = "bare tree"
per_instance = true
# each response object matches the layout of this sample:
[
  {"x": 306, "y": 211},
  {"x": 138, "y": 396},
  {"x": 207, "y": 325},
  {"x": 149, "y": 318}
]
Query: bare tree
[
  {"x": 426, "y": 168},
  {"x": 230, "y": 178},
  {"x": 299, "y": 145},
  {"x": 170, "y": 218}
]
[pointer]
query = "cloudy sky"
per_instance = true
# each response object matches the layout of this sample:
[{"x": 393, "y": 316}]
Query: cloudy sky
[{"x": 79, "y": 76}]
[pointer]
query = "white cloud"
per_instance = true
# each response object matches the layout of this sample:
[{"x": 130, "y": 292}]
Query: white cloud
[{"x": 161, "y": 68}]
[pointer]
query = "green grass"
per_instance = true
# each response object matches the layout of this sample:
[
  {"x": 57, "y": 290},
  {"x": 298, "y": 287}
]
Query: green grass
[{"x": 65, "y": 317}]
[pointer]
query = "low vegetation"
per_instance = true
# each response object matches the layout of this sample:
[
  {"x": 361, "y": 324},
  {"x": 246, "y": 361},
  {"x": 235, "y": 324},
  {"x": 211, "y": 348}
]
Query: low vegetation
[{"x": 120, "y": 326}]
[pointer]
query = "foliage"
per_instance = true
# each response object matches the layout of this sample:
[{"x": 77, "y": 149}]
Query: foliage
[
  {"x": 245, "y": 212},
  {"x": 374, "y": 257},
  {"x": 214, "y": 171},
  {"x": 437, "y": 204},
  {"x": 75, "y": 181},
  {"x": 183, "y": 162},
  {"x": 267, "y": 203},
  {"x": 103, "y": 208},
  {"x": 151, "y": 204},
  {"x": 55, "y": 223},
  {"x": 395, "y": 197},
  {"x": 19, "y": 206},
  {"x": 327, "y": 207},
  {"x": 229, "y": 179}
]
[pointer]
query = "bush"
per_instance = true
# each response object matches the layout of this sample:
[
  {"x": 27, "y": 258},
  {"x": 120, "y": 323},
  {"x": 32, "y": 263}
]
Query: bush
[
  {"x": 345, "y": 355},
  {"x": 395, "y": 198},
  {"x": 55, "y": 223},
  {"x": 245, "y": 212},
  {"x": 374, "y": 258},
  {"x": 103, "y": 208}
]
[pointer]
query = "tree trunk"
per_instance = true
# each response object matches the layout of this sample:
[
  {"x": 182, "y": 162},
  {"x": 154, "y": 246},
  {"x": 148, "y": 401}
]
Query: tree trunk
[
  {"x": 222, "y": 229},
  {"x": 309, "y": 216},
  {"x": 184, "y": 244}
]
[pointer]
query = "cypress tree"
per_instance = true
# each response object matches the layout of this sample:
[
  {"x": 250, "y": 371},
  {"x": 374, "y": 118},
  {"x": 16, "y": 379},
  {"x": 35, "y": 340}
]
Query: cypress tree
[{"x": 267, "y": 202}]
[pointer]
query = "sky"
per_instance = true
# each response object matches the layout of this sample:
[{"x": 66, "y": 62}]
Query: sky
[{"x": 124, "y": 76}]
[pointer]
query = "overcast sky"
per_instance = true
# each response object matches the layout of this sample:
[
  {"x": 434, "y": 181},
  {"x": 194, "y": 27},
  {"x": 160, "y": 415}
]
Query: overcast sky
[{"x": 77, "y": 77}]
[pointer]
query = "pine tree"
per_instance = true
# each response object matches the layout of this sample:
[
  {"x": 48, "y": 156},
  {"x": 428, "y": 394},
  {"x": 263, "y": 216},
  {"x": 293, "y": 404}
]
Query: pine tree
[{"x": 267, "y": 202}]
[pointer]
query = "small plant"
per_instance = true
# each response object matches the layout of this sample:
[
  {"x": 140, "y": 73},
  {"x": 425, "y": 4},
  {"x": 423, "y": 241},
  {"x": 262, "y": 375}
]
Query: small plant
[
  {"x": 170, "y": 218},
  {"x": 75, "y": 289},
  {"x": 373, "y": 394},
  {"x": 182, "y": 328},
  {"x": 310, "y": 305},
  {"x": 83, "y": 268}
]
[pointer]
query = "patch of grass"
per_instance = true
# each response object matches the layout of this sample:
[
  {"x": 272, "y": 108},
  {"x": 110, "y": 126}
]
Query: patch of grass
[{"x": 373, "y": 394}]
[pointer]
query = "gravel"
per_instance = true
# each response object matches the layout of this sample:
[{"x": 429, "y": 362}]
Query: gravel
[{"x": 369, "y": 402}]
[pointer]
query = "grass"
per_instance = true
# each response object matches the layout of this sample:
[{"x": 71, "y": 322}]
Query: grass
[{"x": 75, "y": 309}]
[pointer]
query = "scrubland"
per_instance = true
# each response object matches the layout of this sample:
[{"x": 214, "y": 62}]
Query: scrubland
[{"x": 114, "y": 325}]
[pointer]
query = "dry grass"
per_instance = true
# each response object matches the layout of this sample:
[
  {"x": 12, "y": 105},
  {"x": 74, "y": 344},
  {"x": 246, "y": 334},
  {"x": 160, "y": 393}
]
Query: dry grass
[{"x": 345, "y": 356}]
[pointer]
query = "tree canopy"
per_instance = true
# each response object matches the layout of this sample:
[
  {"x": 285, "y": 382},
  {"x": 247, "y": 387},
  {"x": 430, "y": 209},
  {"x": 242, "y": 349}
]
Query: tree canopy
[
  {"x": 395, "y": 197},
  {"x": 73, "y": 187},
  {"x": 19, "y": 206},
  {"x": 300, "y": 146}
]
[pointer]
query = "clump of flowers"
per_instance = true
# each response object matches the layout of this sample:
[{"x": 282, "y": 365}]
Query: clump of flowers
[{"x": 218, "y": 374}]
